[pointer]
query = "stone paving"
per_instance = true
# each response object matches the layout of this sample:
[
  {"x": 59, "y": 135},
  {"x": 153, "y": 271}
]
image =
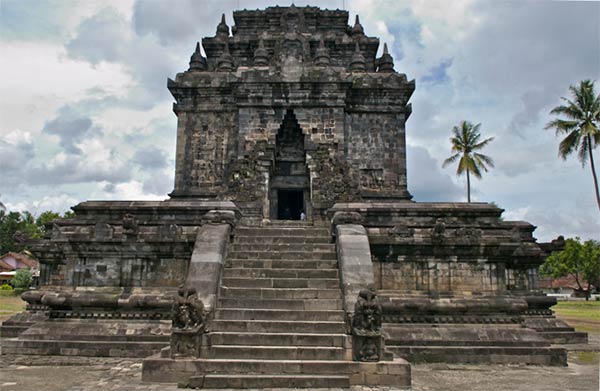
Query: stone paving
[{"x": 27, "y": 373}]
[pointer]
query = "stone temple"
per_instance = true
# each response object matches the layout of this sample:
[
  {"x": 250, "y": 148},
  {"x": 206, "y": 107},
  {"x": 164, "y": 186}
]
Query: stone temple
[{"x": 291, "y": 114}]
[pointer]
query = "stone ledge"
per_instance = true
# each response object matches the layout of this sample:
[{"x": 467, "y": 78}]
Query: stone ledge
[
  {"x": 165, "y": 370},
  {"x": 549, "y": 356}
]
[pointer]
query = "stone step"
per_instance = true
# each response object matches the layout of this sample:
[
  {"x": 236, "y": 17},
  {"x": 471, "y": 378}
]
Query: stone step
[
  {"x": 279, "y": 326},
  {"x": 280, "y": 273},
  {"x": 11, "y": 331},
  {"x": 136, "y": 349},
  {"x": 271, "y": 381},
  {"x": 282, "y": 247},
  {"x": 249, "y": 239},
  {"x": 289, "y": 304},
  {"x": 280, "y": 263},
  {"x": 249, "y": 282},
  {"x": 565, "y": 337},
  {"x": 552, "y": 329},
  {"x": 35, "y": 334},
  {"x": 293, "y": 223},
  {"x": 277, "y": 314},
  {"x": 466, "y": 342},
  {"x": 283, "y": 231},
  {"x": 284, "y": 255},
  {"x": 276, "y": 339},
  {"x": 279, "y": 293},
  {"x": 481, "y": 354},
  {"x": 389, "y": 374},
  {"x": 299, "y": 367},
  {"x": 279, "y": 352}
]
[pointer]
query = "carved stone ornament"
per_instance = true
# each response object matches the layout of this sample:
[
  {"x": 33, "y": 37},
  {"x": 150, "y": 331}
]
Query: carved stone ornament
[
  {"x": 335, "y": 181},
  {"x": 130, "y": 225},
  {"x": 438, "y": 232},
  {"x": 246, "y": 181},
  {"x": 103, "y": 231},
  {"x": 219, "y": 217},
  {"x": 188, "y": 324},
  {"x": 169, "y": 231},
  {"x": 401, "y": 231},
  {"x": 366, "y": 327},
  {"x": 468, "y": 235},
  {"x": 347, "y": 218}
]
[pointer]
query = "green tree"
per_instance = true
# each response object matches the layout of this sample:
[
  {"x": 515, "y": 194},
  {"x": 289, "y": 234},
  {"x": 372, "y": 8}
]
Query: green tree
[
  {"x": 46, "y": 218},
  {"x": 22, "y": 279},
  {"x": 20, "y": 225},
  {"x": 580, "y": 127},
  {"x": 581, "y": 260},
  {"x": 13, "y": 225},
  {"x": 465, "y": 142}
]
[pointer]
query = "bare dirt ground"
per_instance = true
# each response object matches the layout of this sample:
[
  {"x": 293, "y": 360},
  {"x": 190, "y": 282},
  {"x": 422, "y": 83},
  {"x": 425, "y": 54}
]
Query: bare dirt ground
[
  {"x": 27, "y": 373},
  {"x": 24, "y": 373}
]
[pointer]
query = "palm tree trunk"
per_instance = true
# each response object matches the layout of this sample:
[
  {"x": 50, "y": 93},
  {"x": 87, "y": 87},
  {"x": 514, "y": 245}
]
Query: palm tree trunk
[
  {"x": 468, "y": 187},
  {"x": 589, "y": 140}
]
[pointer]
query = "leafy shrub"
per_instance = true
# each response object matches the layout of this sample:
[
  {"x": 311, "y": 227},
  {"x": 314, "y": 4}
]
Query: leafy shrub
[
  {"x": 6, "y": 287},
  {"x": 22, "y": 279}
]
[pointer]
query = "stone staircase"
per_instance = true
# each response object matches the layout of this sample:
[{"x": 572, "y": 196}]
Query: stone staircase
[{"x": 279, "y": 319}]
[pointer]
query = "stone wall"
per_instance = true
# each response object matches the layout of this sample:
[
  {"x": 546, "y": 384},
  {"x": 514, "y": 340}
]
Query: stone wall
[
  {"x": 382, "y": 170},
  {"x": 459, "y": 249},
  {"x": 440, "y": 275},
  {"x": 122, "y": 244}
]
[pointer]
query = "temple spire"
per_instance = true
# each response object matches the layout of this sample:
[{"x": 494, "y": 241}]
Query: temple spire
[
  {"x": 222, "y": 28},
  {"x": 261, "y": 55},
  {"x": 197, "y": 61},
  {"x": 386, "y": 62},
  {"x": 322, "y": 54},
  {"x": 358, "y": 63},
  {"x": 357, "y": 29},
  {"x": 225, "y": 61}
]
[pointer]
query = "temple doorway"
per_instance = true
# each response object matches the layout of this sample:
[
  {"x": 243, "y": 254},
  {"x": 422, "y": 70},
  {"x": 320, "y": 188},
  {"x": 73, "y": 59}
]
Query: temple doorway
[
  {"x": 290, "y": 204},
  {"x": 289, "y": 193}
]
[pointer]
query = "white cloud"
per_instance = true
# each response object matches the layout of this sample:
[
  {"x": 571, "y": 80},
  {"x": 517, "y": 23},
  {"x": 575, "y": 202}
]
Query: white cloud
[
  {"x": 552, "y": 223},
  {"x": 60, "y": 203},
  {"x": 17, "y": 137},
  {"x": 504, "y": 64},
  {"x": 133, "y": 190},
  {"x": 39, "y": 79}
]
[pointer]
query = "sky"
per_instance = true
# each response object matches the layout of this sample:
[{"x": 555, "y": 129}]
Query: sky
[{"x": 85, "y": 113}]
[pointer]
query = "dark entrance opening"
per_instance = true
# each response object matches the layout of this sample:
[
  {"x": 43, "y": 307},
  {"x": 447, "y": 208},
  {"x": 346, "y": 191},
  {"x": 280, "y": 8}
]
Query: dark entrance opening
[{"x": 290, "y": 203}]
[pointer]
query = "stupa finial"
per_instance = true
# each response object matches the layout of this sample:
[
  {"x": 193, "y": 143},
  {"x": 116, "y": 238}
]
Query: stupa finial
[
  {"x": 225, "y": 61},
  {"x": 357, "y": 29},
  {"x": 358, "y": 63},
  {"x": 261, "y": 54},
  {"x": 322, "y": 54},
  {"x": 385, "y": 62},
  {"x": 222, "y": 28},
  {"x": 197, "y": 61}
]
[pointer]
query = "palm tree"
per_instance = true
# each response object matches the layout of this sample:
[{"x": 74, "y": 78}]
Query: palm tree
[
  {"x": 465, "y": 142},
  {"x": 580, "y": 127}
]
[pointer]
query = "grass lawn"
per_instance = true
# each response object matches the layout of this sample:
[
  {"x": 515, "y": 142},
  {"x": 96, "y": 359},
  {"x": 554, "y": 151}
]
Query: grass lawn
[
  {"x": 583, "y": 315},
  {"x": 10, "y": 305}
]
